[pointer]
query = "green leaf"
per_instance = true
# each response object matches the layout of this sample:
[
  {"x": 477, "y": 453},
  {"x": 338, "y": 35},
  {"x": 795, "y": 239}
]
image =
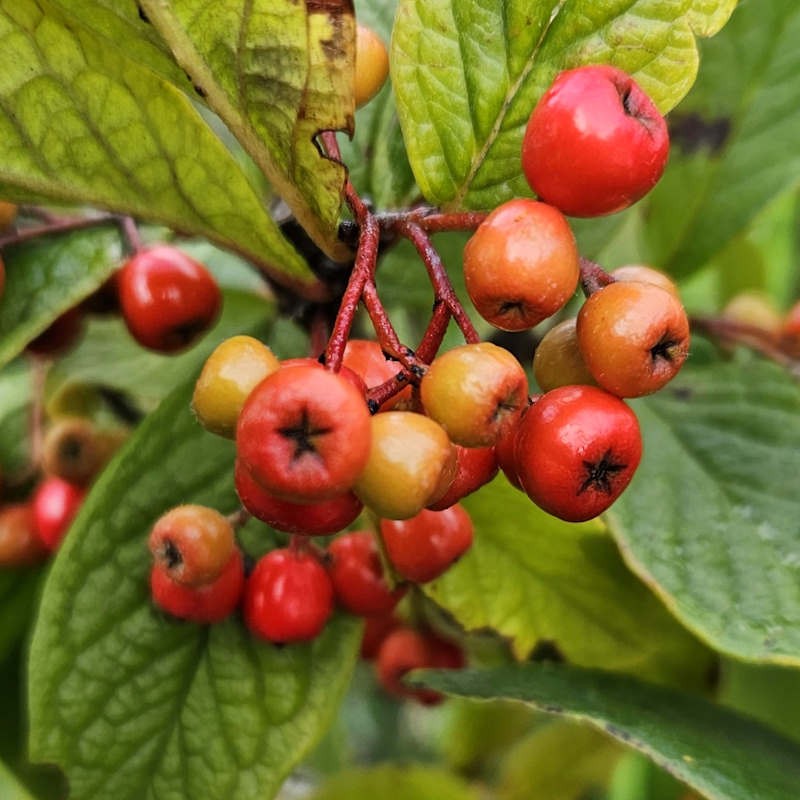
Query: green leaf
[
  {"x": 477, "y": 735},
  {"x": 123, "y": 25},
  {"x": 638, "y": 778},
  {"x": 109, "y": 356},
  {"x": 770, "y": 694},
  {"x": 558, "y": 761},
  {"x": 412, "y": 782},
  {"x": 532, "y": 578},
  {"x": 18, "y": 589},
  {"x": 713, "y": 749},
  {"x": 277, "y": 72},
  {"x": 81, "y": 123},
  {"x": 10, "y": 787},
  {"x": 132, "y": 704},
  {"x": 15, "y": 400},
  {"x": 46, "y": 277},
  {"x": 467, "y": 74},
  {"x": 710, "y": 519},
  {"x": 734, "y": 138},
  {"x": 376, "y": 155}
]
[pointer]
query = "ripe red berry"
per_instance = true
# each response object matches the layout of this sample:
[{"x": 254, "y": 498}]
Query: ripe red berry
[
  {"x": 192, "y": 543},
  {"x": 167, "y": 298},
  {"x": 521, "y": 265},
  {"x": 304, "y": 434},
  {"x": 376, "y": 629},
  {"x": 506, "y": 452},
  {"x": 425, "y": 546},
  {"x": 288, "y": 597},
  {"x": 404, "y": 650},
  {"x": 357, "y": 575},
  {"x": 210, "y": 602},
  {"x": 312, "y": 519},
  {"x": 577, "y": 449},
  {"x": 19, "y": 543},
  {"x": 366, "y": 359},
  {"x": 475, "y": 466},
  {"x": 55, "y": 503},
  {"x": 595, "y": 143}
]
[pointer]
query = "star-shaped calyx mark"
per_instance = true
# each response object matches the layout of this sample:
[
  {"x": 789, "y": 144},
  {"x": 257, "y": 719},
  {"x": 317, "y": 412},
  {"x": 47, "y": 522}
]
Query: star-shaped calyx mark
[
  {"x": 303, "y": 434},
  {"x": 599, "y": 474},
  {"x": 665, "y": 348}
]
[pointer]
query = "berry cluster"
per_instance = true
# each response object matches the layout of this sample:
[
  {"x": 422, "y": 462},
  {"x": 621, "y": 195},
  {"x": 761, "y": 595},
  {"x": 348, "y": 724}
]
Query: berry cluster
[
  {"x": 166, "y": 300},
  {"x": 73, "y": 453},
  {"x": 408, "y": 433}
]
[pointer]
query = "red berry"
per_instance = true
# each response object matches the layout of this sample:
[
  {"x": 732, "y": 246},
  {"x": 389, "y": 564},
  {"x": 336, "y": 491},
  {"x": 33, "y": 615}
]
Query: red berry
[
  {"x": 366, "y": 359},
  {"x": 304, "y": 434},
  {"x": 577, "y": 449},
  {"x": 311, "y": 519},
  {"x": 595, "y": 143},
  {"x": 506, "y": 452},
  {"x": 192, "y": 543},
  {"x": 55, "y": 503},
  {"x": 60, "y": 336},
  {"x": 357, "y": 575},
  {"x": 404, "y": 650},
  {"x": 423, "y": 547},
  {"x": 521, "y": 264},
  {"x": 288, "y": 597},
  {"x": 376, "y": 629},
  {"x": 168, "y": 299},
  {"x": 19, "y": 544},
  {"x": 210, "y": 602},
  {"x": 475, "y": 466}
]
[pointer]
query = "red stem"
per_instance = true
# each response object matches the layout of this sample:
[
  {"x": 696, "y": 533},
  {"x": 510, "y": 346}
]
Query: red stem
[
  {"x": 438, "y": 274},
  {"x": 593, "y": 277},
  {"x": 55, "y": 226}
]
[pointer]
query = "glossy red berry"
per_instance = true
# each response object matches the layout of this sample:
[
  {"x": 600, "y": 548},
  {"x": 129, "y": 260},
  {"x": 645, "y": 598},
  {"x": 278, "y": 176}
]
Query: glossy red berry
[
  {"x": 357, "y": 575},
  {"x": 577, "y": 449},
  {"x": 312, "y": 519},
  {"x": 55, "y": 503},
  {"x": 506, "y": 452},
  {"x": 366, "y": 359},
  {"x": 595, "y": 143},
  {"x": 167, "y": 298},
  {"x": 210, "y": 602},
  {"x": 288, "y": 597},
  {"x": 192, "y": 543},
  {"x": 304, "y": 434},
  {"x": 404, "y": 650},
  {"x": 475, "y": 466},
  {"x": 376, "y": 629},
  {"x": 425, "y": 546}
]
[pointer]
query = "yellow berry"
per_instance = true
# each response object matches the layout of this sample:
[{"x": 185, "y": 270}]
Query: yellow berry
[{"x": 231, "y": 372}]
